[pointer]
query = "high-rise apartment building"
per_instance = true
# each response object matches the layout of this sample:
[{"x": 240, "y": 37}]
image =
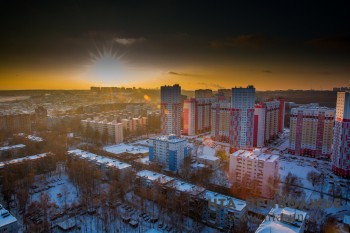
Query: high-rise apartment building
[
  {"x": 259, "y": 125},
  {"x": 341, "y": 142},
  {"x": 197, "y": 116},
  {"x": 190, "y": 117},
  {"x": 220, "y": 121},
  {"x": 171, "y": 109},
  {"x": 203, "y": 93},
  {"x": 168, "y": 151},
  {"x": 258, "y": 170},
  {"x": 311, "y": 131},
  {"x": 268, "y": 121},
  {"x": 242, "y": 118}
]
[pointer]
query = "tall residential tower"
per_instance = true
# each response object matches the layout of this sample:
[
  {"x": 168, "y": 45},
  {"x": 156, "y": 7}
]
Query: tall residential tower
[
  {"x": 171, "y": 109},
  {"x": 242, "y": 118},
  {"x": 341, "y": 137}
]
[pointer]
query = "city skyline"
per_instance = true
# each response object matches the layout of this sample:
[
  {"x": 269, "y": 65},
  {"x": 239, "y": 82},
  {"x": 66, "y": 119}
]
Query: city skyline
[{"x": 273, "y": 46}]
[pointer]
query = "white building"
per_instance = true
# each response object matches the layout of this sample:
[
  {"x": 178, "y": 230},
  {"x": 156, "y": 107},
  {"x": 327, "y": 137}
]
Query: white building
[
  {"x": 114, "y": 129},
  {"x": 168, "y": 151},
  {"x": 104, "y": 163},
  {"x": 341, "y": 142},
  {"x": 8, "y": 223},
  {"x": 283, "y": 220},
  {"x": 242, "y": 118},
  {"x": 257, "y": 169},
  {"x": 171, "y": 109}
]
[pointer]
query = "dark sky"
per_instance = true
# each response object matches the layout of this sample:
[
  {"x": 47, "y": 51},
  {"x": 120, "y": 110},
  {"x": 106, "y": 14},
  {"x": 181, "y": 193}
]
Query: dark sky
[{"x": 211, "y": 43}]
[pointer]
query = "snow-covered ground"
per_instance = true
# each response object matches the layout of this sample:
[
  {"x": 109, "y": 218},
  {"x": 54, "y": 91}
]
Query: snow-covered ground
[{"x": 56, "y": 188}]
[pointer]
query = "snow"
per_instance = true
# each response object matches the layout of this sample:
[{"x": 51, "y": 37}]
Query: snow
[
  {"x": 6, "y": 220},
  {"x": 213, "y": 197},
  {"x": 186, "y": 187},
  {"x": 346, "y": 219},
  {"x": 152, "y": 176},
  {"x": 56, "y": 187},
  {"x": 126, "y": 148},
  {"x": 108, "y": 162},
  {"x": 19, "y": 160},
  {"x": 259, "y": 154},
  {"x": 34, "y": 138},
  {"x": 5, "y": 148},
  {"x": 273, "y": 224}
]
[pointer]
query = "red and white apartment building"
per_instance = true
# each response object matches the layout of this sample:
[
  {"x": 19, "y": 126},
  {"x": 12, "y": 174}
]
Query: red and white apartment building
[
  {"x": 268, "y": 121},
  {"x": 311, "y": 131},
  {"x": 171, "y": 109},
  {"x": 341, "y": 138}
]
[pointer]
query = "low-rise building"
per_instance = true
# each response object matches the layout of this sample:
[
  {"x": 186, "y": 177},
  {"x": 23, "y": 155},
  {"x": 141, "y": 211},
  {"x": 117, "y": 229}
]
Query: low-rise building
[
  {"x": 8, "y": 223},
  {"x": 113, "y": 130},
  {"x": 223, "y": 212},
  {"x": 13, "y": 150},
  {"x": 104, "y": 163}
]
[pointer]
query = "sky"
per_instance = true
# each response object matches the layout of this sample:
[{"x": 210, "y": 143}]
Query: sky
[{"x": 76, "y": 44}]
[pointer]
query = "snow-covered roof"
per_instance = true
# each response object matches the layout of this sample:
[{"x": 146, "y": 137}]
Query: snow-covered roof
[
  {"x": 19, "y": 160},
  {"x": 154, "y": 176},
  {"x": 186, "y": 187},
  {"x": 208, "y": 157},
  {"x": 238, "y": 205},
  {"x": 34, "y": 138},
  {"x": 346, "y": 219},
  {"x": 5, "y": 217},
  {"x": 5, "y": 148},
  {"x": 275, "y": 221},
  {"x": 169, "y": 138},
  {"x": 122, "y": 148},
  {"x": 108, "y": 162},
  {"x": 258, "y": 154}
]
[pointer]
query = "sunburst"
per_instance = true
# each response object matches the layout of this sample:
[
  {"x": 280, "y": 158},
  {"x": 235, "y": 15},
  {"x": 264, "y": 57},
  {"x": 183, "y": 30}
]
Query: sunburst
[{"x": 107, "y": 66}]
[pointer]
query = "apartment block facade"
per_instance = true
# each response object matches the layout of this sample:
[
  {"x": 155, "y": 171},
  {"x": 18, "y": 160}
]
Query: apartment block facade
[
  {"x": 311, "y": 131},
  {"x": 341, "y": 142},
  {"x": 171, "y": 109}
]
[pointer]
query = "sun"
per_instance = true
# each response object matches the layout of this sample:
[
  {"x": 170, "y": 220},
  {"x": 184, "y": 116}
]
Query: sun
[{"x": 106, "y": 67}]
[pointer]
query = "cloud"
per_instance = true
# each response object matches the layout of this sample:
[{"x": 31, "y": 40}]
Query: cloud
[
  {"x": 128, "y": 41},
  {"x": 185, "y": 74},
  {"x": 341, "y": 42},
  {"x": 213, "y": 85},
  {"x": 242, "y": 41}
]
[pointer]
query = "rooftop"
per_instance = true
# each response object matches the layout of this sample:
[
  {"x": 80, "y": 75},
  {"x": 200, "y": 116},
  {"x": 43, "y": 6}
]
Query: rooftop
[
  {"x": 122, "y": 148},
  {"x": 170, "y": 138},
  {"x": 19, "y": 160},
  {"x": 258, "y": 154},
  {"x": 291, "y": 225},
  {"x": 153, "y": 176},
  {"x": 5, "y": 148},
  {"x": 239, "y": 205},
  {"x": 186, "y": 187},
  {"x": 5, "y": 217},
  {"x": 109, "y": 162}
]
